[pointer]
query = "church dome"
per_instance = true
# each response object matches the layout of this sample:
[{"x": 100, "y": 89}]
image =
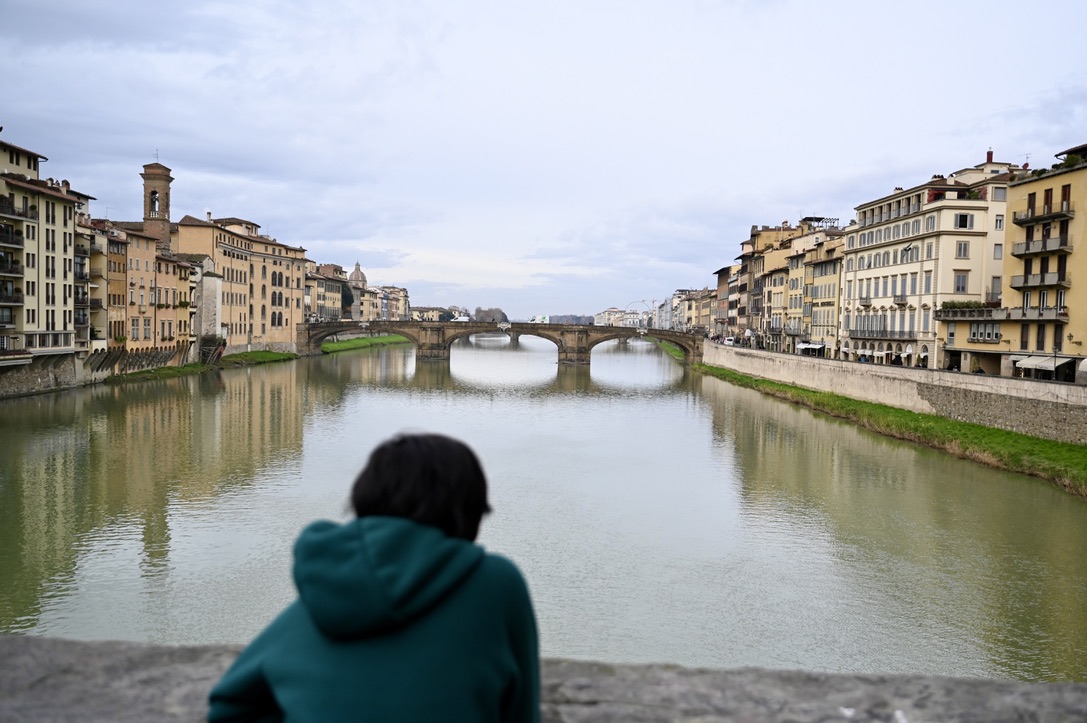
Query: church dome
[{"x": 356, "y": 277}]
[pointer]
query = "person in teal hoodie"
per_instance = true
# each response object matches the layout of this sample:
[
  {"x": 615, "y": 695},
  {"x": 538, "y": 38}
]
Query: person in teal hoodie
[{"x": 400, "y": 616}]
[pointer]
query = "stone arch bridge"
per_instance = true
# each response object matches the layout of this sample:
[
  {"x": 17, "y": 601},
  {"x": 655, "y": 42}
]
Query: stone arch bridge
[{"x": 432, "y": 339}]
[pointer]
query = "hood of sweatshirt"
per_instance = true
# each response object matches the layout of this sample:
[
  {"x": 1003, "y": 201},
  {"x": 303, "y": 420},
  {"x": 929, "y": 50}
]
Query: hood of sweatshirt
[{"x": 375, "y": 574}]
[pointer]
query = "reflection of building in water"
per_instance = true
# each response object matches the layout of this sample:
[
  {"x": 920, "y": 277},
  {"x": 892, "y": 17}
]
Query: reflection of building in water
[
  {"x": 924, "y": 512},
  {"x": 135, "y": 450}
]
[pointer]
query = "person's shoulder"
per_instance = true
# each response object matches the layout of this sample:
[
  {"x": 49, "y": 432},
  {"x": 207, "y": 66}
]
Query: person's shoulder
[{"x": 501, "y": 571}]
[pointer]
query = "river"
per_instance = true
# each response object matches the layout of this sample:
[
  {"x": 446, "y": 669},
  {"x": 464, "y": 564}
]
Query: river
[{"x": 659, "y": 515}]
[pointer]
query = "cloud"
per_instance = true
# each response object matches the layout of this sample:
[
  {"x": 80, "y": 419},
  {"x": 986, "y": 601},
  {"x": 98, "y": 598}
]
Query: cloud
[{"x": 518, "y": 155}]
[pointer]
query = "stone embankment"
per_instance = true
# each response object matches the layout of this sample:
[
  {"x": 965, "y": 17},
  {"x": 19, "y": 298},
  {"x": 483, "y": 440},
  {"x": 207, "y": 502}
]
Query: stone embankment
[
  {"x": 1048, "y": 410},
  {"x": 48, "y": 680}
]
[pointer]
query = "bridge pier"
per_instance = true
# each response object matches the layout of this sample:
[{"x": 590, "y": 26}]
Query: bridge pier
[{"x": 574, "y": 347}]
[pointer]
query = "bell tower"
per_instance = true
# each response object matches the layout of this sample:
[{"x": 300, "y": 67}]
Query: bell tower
[{"x": 156, "y": 202}]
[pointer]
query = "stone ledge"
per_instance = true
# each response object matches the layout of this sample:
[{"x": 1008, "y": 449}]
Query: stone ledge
[{"x": 50, "y": 680}]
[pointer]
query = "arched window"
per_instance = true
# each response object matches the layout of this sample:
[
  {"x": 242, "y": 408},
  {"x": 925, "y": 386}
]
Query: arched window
[
  {"x": 263, "y": 312},
  {"x": 263, "y": 292}
]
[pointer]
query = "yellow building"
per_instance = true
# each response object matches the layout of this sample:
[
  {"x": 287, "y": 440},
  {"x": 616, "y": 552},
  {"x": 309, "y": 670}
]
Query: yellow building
[{"x": 1041, "y": 333}]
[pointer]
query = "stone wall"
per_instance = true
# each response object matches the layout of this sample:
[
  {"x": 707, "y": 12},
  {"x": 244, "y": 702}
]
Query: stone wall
[
  {"x": 1049, "y": 410},
  {"x": 48, "y": 680},
  {"x": 45, "y": 373}
]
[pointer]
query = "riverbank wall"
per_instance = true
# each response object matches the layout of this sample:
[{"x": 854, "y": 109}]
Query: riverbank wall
[
  {"x": 49, "y": 680},
  {"x": 1049, "y": 410}
]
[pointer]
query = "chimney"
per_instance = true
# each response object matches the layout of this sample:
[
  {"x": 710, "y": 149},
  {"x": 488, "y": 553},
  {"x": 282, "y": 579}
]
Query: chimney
[
  {"x": 989, "y": 156},
  {"x": 209, "y": 216}
]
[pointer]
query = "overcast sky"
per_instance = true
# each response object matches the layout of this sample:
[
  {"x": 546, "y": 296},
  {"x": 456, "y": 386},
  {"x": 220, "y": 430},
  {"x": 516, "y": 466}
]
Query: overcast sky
[{"x": 551, "y": 157}]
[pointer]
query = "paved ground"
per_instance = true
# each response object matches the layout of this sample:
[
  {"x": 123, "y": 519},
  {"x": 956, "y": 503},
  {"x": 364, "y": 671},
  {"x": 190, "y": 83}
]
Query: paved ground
[{"x": 48, "y": 680}]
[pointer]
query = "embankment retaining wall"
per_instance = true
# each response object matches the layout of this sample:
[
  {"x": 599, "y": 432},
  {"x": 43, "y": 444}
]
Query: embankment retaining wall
[
  {"x": 48, "y": 680},
  {"x": 1049, "y": 410}
]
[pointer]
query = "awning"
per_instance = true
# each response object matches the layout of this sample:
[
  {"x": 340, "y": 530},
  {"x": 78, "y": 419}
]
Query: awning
[
  {"x": 1042, "y": 362},
  {"x": 877, "y": 353},
  {"x": 923, "y": 354},
  {"x": 909, "y": 349}
]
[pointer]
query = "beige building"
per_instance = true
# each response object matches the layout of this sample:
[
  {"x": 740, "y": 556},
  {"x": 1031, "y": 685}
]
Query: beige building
[
  {"x": 38, "y": 279},
  {"x": 913, "y": 250},
  {"x": 428, "y": 313},
  {"x": 92, "y": 245},
  {"x": 1030, "y": 327},
  {"x": 261, "y": 281}
]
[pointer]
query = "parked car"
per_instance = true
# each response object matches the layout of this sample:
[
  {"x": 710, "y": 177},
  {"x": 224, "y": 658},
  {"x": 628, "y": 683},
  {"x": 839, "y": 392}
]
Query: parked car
[{"x": 730, "y": 341}]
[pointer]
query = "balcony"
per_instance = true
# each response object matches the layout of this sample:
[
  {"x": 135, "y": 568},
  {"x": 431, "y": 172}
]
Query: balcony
[
  {"x": 882, "y": 334},
  {"x": 1031, "y": 281},
  {"x": 82, "y": 300},
  {"x": 11, "y": 297},
  {"x": 792, "y": 331},
  {"x": 81, "y": 275},
  {"x": 82, "y": 250},
  {"x": 11, "y": 269},
  {"x": 900, "y": 299},
  {"x": 1049, "y": 245},
  {"x": 865, "y": 300},
  {"x": 11, "y": 238},
  {"x": 1051, "y": 212},
  {"x": 96, "y": 303},
  {"x": 1049, "y": 313}
]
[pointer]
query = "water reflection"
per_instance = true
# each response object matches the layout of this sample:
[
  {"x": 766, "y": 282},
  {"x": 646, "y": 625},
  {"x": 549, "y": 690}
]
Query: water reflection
[
  {"x": 950, "y": 551},
  {"x": 659, "y": 515}
]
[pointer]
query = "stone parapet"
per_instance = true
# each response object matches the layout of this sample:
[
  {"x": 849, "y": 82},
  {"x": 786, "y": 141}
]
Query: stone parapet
[
  {"x": 49, "y": 680},
  {"x": 1049, "y": 410}
]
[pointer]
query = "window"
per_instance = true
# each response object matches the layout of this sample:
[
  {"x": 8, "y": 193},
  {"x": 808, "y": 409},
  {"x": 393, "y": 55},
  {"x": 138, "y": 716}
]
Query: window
[
  {"x": 1000, "y": 193},
  {"x": 930, "y": 223},
  {"x": 928, "y": 250},
  {"x": 998, "y": 251},
  {"x": 147, "y": 328},
  {"x": 928, "y": 282},
  {"x": 961, "y": 278},
  {"x": 964, "y": 220},
  {"x": 999, "y": 225},
  {"x": 962, "y": 249},
  {"x": 1039, "y": 342},
  {"x": 1024, "y": 336}
]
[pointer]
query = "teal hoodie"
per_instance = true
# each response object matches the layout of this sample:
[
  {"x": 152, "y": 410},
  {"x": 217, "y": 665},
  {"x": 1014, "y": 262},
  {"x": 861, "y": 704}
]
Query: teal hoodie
[{"x": 394, "y": 621}]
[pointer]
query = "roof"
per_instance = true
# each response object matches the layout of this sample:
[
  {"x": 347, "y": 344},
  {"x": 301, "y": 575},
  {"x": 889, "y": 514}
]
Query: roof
[
  {"x": 188, "y": 220},
  {"x": 1080, "y": 150},
  {"x": 43, "y": 187},
  {"x": 4, "y": 144},
  {"x": 234, "y": 221}
]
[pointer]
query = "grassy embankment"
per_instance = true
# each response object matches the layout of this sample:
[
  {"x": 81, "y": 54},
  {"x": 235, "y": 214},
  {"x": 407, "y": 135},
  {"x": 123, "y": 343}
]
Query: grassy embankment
[
  {"x": 251, "y": 358},
  {"x": 1059, "y": 462},
  {"x": 330, "y": 347}
]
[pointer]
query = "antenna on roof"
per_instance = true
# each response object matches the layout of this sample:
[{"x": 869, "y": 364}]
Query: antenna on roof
[{"x": 156, "y": 155}]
